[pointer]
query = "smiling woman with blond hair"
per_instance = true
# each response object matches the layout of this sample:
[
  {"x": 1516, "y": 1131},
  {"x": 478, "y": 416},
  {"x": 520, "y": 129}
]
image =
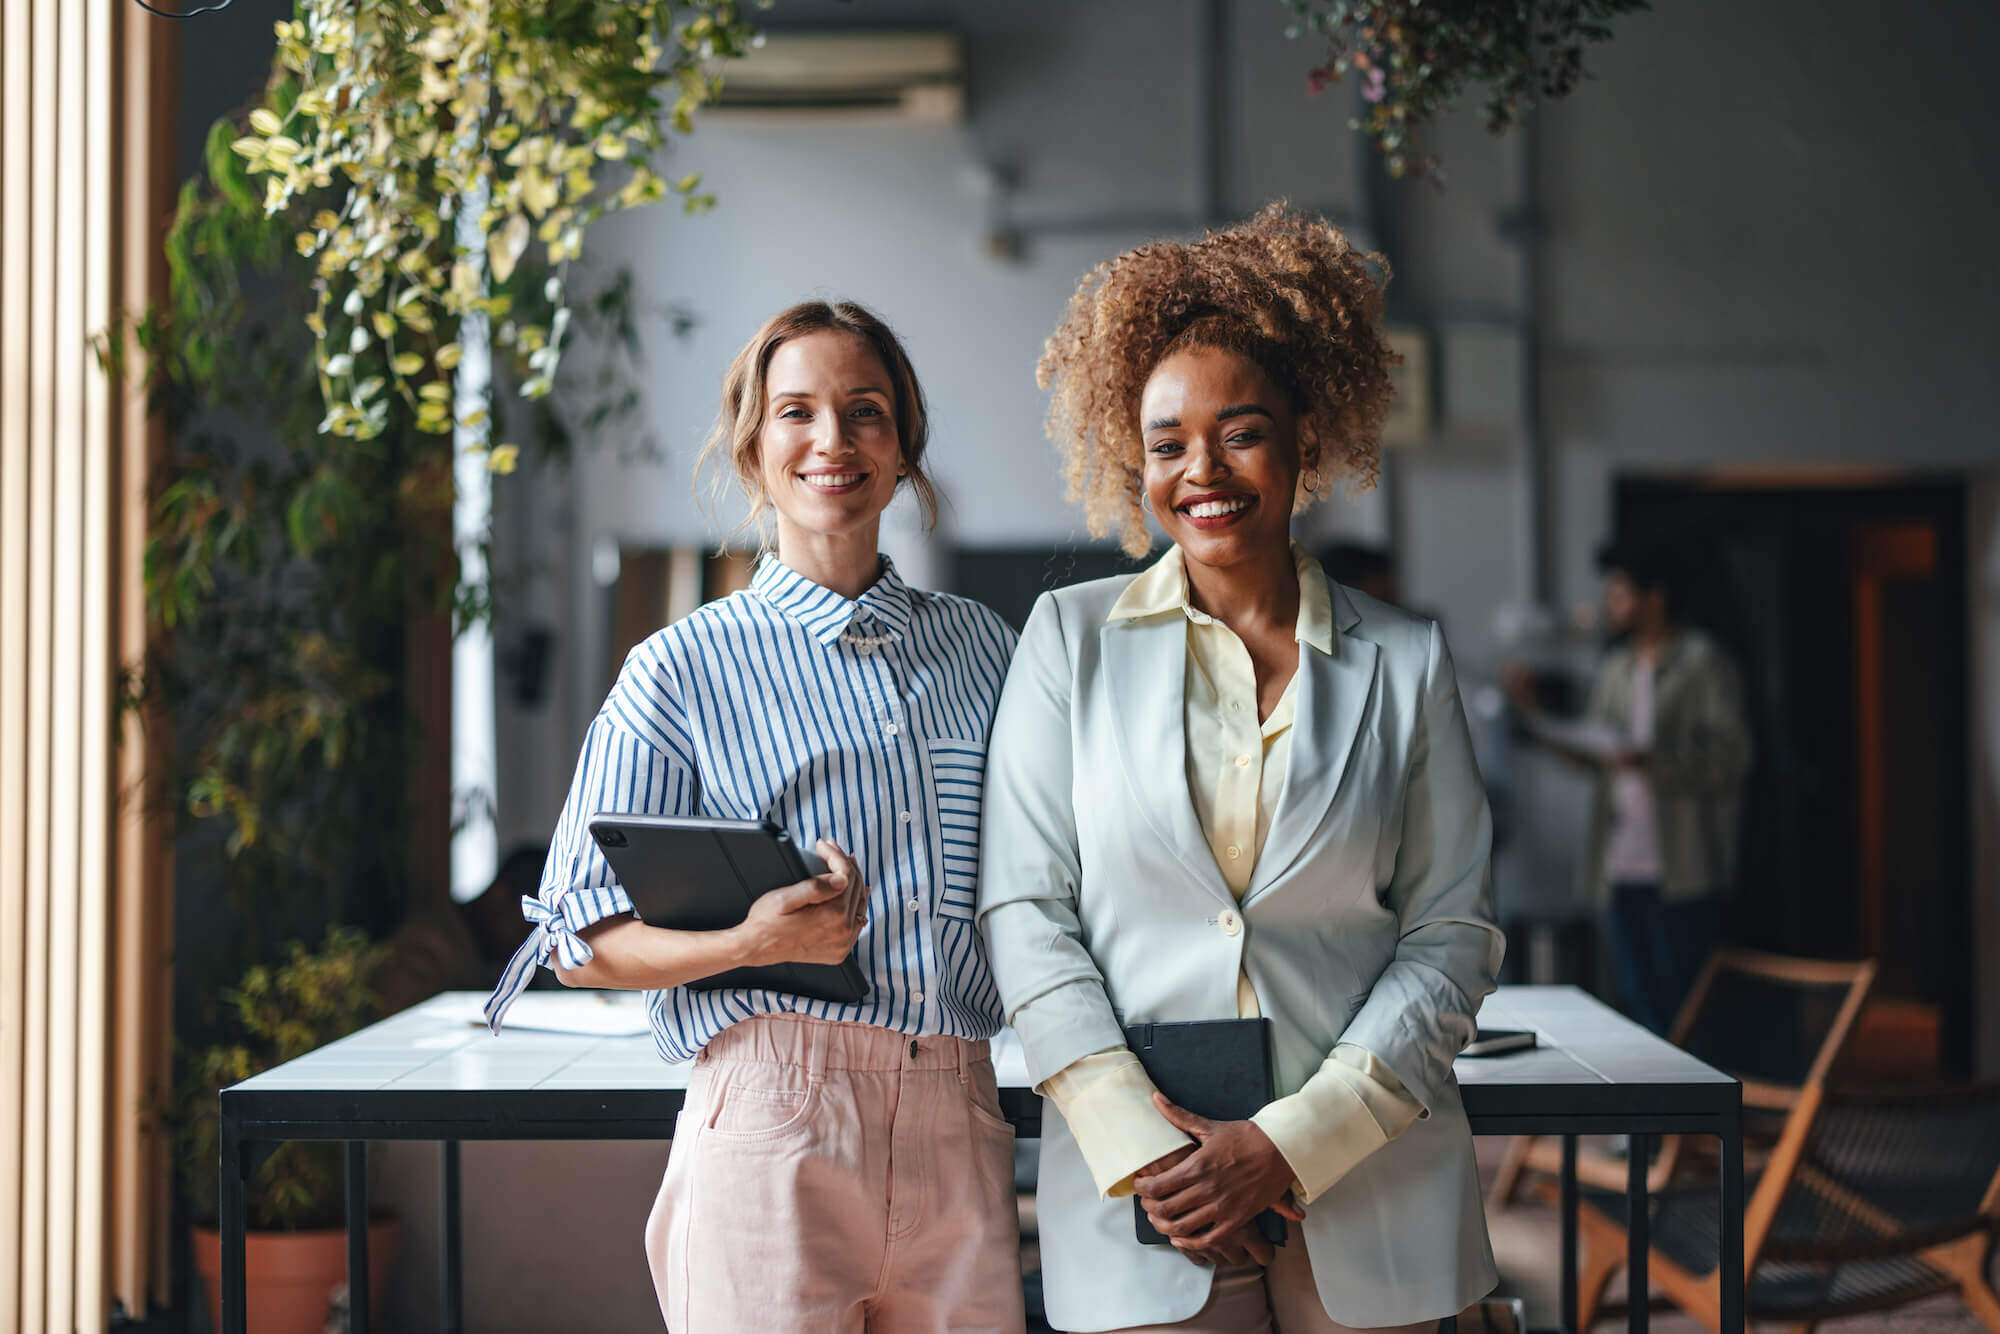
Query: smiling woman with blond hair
[
  {"x": 836, "y": 1167},
  {"x": 1229, "y": 788}
]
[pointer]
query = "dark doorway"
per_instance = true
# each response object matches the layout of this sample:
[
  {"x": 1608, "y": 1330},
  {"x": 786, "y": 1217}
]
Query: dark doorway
[{"x": 1846, "y": 607}]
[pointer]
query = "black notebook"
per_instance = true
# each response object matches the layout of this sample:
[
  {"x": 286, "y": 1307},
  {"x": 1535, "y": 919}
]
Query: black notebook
[{"x": 1217, "y": 1068}]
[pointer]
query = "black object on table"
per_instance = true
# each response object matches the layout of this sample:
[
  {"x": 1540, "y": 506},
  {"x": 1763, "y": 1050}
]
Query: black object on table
[{"x": 427, "y": 1074}]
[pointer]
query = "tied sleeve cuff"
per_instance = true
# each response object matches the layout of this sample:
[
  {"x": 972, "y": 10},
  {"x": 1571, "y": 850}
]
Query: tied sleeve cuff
[
  {"x": 1106, "y": 1100},
  {"x": 555, "y": 934}
]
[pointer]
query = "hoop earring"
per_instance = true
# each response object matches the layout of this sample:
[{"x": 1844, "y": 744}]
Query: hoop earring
[
  {"x": 1312, "y": 485},
  {"x": 1145, "y": 503}
]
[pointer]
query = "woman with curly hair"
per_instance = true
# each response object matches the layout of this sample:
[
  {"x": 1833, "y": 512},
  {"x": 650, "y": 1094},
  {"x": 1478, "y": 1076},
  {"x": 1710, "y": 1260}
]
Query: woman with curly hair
[{"x": 1229, "y": 788}]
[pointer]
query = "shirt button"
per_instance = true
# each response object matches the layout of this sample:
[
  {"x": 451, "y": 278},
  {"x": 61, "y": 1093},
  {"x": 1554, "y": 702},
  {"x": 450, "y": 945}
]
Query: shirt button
[
  {"x": 893, "y": 730},
  {"x": 1242, "y": 761},
  {"x": 1230, "y": 923},
  {"x": 915, "y": 996},
  {"x": 1236, "y": 706},
  {"x": 916, "y": 905},
  {"x": 1234, "y": 852},
  {"x": 905, "y": 816}
]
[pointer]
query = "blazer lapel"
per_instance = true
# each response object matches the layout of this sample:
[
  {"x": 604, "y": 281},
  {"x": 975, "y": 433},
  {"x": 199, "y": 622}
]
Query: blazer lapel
[
  {"x": 1145, "y": 665},
  {"x": 1334, "y": 693}
]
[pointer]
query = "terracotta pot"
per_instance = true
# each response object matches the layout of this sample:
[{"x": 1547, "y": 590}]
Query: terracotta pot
[{"x": 292, "y": 1276}]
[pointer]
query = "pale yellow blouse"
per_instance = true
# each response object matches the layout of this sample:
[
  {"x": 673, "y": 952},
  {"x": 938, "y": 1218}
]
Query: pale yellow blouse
[{"x": 1353, "y": 1104}]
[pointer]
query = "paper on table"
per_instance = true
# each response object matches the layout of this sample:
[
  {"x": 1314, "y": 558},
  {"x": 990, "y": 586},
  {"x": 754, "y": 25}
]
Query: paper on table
[{"x": 587, "y": 1013}]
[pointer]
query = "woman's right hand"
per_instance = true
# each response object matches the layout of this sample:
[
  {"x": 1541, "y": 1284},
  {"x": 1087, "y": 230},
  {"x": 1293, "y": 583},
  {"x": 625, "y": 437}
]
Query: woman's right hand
[
  {"x": 806, "y": 922},
  {"x": 1245, "y": 1246}
]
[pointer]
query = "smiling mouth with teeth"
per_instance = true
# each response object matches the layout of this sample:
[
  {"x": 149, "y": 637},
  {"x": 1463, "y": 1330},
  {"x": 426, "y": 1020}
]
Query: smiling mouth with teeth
[
  {"x": 834, "y": 481},
  {"x": 1216, "y": 509}
]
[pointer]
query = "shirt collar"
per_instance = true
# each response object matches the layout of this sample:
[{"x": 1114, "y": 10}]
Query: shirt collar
[
  {"x": 1163, "y": 587},
  {"x": 825, "y": 614}
]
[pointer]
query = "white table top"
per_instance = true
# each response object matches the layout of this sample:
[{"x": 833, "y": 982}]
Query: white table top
[{"x": 436, "y": 1047}]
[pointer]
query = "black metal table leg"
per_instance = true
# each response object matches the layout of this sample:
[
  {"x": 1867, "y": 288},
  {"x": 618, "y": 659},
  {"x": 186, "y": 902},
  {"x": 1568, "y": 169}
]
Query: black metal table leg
[
  {"x": 1638, "y": 1234},
  {"x": 1732, "y": 1221},
  {"x": 1568, "y": 1180},
  {"x": 357, "y": 1236},
  {"x": 451, "y": 1280},
  {"x": 230, "y": 1204}
]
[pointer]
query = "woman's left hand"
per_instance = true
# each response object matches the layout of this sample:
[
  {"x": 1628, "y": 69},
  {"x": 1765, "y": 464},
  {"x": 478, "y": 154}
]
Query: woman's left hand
[{"x": 1234, "y": 1174}]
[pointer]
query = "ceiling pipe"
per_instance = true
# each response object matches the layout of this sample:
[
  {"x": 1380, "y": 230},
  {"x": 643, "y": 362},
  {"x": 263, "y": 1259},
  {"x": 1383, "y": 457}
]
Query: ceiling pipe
[
  {"x": 1523, "y": 226},
  {"x": 1211, "y": 76}
]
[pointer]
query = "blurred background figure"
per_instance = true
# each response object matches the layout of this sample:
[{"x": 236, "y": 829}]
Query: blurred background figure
[{"x": 1666, "y": 733}]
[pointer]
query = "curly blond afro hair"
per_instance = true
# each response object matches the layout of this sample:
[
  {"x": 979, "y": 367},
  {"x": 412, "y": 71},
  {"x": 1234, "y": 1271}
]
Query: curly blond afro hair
[{"x": 1284, "y": 289}]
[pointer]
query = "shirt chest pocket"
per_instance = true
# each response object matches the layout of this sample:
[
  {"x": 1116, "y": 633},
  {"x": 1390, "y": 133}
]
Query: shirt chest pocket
[{"x": 957, "y": 773}]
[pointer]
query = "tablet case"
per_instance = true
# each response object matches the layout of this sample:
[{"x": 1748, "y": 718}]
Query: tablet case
[
  {"x": 1217, "y": 1068},
  {"x": 699, "y": 874}
]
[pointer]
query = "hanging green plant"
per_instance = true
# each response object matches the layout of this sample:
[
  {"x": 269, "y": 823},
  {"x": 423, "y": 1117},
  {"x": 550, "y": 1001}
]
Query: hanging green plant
[
  {"x": 1415, "y": 57},
  {"x": 428, "y": 146}
]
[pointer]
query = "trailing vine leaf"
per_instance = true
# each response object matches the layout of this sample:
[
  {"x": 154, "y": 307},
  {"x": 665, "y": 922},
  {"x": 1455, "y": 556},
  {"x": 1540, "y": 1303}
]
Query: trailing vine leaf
[
  {"x": 1415, "y": 57},
  {"x": 385, "y": 118}
]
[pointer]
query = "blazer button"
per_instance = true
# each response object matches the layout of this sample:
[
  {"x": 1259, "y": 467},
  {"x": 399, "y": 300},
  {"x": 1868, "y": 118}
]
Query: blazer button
[{"x": 1230, "y": 923}]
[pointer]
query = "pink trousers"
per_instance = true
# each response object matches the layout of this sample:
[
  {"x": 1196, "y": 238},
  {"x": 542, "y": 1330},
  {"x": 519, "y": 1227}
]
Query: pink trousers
[{"x": 838, "y": 1178}]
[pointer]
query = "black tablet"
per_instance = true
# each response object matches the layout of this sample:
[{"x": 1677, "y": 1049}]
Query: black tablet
[{"x": 699, "y": 874}]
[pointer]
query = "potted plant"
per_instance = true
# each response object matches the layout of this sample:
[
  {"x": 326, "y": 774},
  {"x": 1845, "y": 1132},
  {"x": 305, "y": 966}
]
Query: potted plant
[{"x": 297, "y": 1246}]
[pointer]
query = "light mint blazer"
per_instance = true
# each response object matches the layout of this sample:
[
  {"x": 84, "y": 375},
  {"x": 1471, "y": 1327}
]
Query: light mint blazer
[{"x": 1369, "y": 920}]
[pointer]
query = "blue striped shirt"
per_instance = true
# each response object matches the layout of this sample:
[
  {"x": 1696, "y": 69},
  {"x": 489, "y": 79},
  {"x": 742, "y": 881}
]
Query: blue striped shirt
[{"x": 774, "y": 704}]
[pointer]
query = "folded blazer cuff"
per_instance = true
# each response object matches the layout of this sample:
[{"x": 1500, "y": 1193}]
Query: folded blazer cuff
[
  {"x": 1416, "y": 1022},
  {"x": 1065, "y": 1024}
]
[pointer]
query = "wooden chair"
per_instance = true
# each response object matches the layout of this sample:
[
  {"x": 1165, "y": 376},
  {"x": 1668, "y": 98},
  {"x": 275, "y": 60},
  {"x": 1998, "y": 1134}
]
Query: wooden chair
[
  {"x": 1872, "y": 1199},
  {"x": 1775, "y": 1022}
]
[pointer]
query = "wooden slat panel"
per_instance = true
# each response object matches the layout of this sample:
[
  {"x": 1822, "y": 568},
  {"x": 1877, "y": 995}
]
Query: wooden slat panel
[
  {"x": 141, "y": 998},
  {"x": 85, "y": 181},
  {"x": 14, "y": 488},
  {"x": 41, "y": 626},
  {"x": 71, "y": 445},
  {"x": 99, "y": 698}
]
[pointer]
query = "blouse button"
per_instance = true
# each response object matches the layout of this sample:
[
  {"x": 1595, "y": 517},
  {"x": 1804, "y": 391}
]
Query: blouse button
[
  {"x": 905, "y": 816},
  {"x": 1234, "y": 852},
  {"x": 1242, "y": 761},
  {"x": 893, "y": 730},
  {"x": 1230, "y": 923}
]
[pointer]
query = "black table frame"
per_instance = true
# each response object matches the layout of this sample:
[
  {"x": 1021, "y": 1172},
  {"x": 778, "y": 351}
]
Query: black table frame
[{"x": 255, "y": 1122}]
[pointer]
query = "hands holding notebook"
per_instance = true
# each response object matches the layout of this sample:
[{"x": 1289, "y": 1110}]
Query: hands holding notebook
[
  {"x": 816, "y": 920},
  {"x": 1206, "y": 1198}
]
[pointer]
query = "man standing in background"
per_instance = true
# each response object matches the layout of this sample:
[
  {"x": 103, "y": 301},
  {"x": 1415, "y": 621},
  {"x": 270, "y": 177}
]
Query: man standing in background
[{"x": 1666, "y": 733}]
